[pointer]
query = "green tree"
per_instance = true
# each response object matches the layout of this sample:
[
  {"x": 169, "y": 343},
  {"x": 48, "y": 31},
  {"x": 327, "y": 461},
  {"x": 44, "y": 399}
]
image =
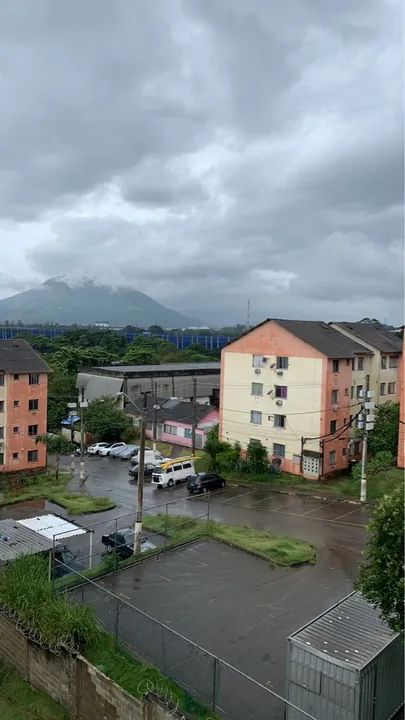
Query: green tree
[
  {"x": 384, "y": 437},
  {"x": 214, "y": 446},
  {"x": 106, "y": 421},
  {"x": 61, "y": 390},
  {"x": 256, "y": 457},
  {"x": 55, "y": 445},
  {"x": 381, "y": 578},
  {"x": 140, "y": 356},
  {"x": 69, "y": 360}
]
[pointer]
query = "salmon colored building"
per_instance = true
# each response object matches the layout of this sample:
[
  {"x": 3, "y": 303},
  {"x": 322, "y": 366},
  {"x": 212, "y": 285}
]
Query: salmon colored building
[
  {"x": 401, "y": 434},
  {"x": 23, "y": 406},
  {"x": 288, "y": 383}
]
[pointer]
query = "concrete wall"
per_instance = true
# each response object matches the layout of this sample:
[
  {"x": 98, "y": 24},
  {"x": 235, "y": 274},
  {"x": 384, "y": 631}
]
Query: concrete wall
[{"x": 81, "y": 688}]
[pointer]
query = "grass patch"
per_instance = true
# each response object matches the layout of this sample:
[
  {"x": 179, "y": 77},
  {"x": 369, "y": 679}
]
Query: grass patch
[
  {"x": 45, "y": 487},
  {"x": 136, "y": 676},
  {"x": 18, "y": 701},
  {"x": 278, "y": 550}
]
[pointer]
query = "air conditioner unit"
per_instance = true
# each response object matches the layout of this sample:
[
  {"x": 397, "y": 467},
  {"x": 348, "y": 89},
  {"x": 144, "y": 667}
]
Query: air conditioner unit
[
  {"x": 257, "y": 371},
  {"x": 279, "y": 402},
  {"x": 280, "y": 372}
]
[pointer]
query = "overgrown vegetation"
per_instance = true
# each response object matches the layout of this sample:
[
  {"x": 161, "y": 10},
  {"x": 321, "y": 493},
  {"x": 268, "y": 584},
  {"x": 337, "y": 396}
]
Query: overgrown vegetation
[
  {"x": 384, "y": 436},
  {"x": 19, "y": 701},
  {"x": 136, "y": 677},
  {"x": 30, "y": 487},
  {"x": 276, "y": 549},
  {"x": 226, "y": 458},
  {"x": 381, "y": 577},
  {"x": 26, "y": 591},
  {"x": 55, "y": 445},
  {"x": 106, "y": 421}
]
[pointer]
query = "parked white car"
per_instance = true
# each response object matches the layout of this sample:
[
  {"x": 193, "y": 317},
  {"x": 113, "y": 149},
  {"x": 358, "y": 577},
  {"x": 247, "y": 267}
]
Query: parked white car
[
  {"x": 106, "y": 451},
  {"x": 95, "y": 448}
]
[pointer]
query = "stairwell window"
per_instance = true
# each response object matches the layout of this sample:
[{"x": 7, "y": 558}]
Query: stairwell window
[
  {"x": 334, "y": 396},
  {"x": 383, "y": 362},
  {"x": 282, "y": 363},
  {"x": 360, "y": 363},
  {"x": 1, "y": 433},
  {"x": 352, "y": 392},
  {"x": 279, "y": 421},
  {"x": 255, "y": 417},
  {"x": 32, "y": 456},
  {"x": 393, "y": 361},
  {"x": 332, "y": 457},
  {"x": 1, "y": 458},
  {"x": 280, "y": 391},
  {"x": 1, "y": 405},
  {"x": 32, "y": 430},
  {"x": 333, "y": 426},
  {"x": 391, "y": 388},
  {"x": 257, "y": 389},
  {"x": 335, "y": 366},
  {"x": 347, "y": 392},
  {"x": 1, "y": 378},
  {"x": 382, "y": 388},
  {"x": 358, "y": 391},
  {"x": 32, "y": 404}
]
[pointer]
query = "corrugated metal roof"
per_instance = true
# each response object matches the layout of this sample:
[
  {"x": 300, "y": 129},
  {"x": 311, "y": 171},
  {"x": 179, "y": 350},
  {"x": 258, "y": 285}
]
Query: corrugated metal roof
[
  {"x": 375, "y": 335},
  {"x": 49, "y": 525},
  {"x": 350, "y": 633},
  {"x": 17, "y": 356},
  {"x": 98, "y": 386},
  {"x": 164, "y": 367},
  {"x": 16, "y": 540}
]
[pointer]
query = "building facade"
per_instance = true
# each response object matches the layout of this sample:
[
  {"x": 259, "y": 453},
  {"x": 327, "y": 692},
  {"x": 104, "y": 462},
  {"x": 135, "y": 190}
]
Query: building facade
[
  {"x": 23, "y": 406},
  {"x": 288, "y": 384},
  {"x": 401, "y": 433}
]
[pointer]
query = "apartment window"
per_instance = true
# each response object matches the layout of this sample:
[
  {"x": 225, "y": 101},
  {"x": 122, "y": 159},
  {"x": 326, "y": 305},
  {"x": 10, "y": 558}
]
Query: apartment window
[
  {"x": 280, "y": 391},
  {"x": 279, "y": 421},
  {"x": 335, "y": 366},
  {"x": 335, "y": 396},
  {"x": 16, "y": 403},
  {"x": 1, "y": 458},
  {"x": 333, "y": 425},
  {"x": 188, "y": 433},
  {"x": 393, "y": 361},
  {"x": 170, "y": 429},
  {"x": 347, "y": 362},
  {"x": 32, "y": 404},
  {"x": 344, "y": 451},
  {"x": 258, "y": 361},
  {"x": 332, "y": 457},
  {"x": 253, "y": 441},
  {"x": 353, "y": 364},
  {"x": 255, "y": 417},
  {"x": 382, "y": 388},
  {"x": 1, "y": 378},
  {"x": 16, "y": 376},
  {"x": 352, "y": 392},
  {"x": 32, "y": 455},
  {"x": 15, "y": 456},
  {"x": 347, "y": 392},
  {"x": 32, "y": 430},
  {"x": 282, "y": 363},
  {"x": 15, "y": 429},
  {"x": 1, "y": 432},
  {"x": 359, "y": 391},
  {"x": 34, "y": 379},
  {"x": 391, "y": 388},
  {"x": 257, "y": 388},
  {"x": 1, "y": 405},
  {"x": 279, "y": 450},
  {"x": 360, "y": 363},
  {"x": 383, "y": 362}
]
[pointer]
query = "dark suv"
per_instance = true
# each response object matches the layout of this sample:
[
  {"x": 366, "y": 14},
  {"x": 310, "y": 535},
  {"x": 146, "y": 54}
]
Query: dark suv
[{"x": 204, "y": 482}]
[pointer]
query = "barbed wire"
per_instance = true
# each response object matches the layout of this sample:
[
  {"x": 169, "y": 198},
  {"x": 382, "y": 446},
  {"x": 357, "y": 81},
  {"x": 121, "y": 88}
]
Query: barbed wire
[
  {"x": 165, "y": 696},
  {"x": 64, "y": 643}
]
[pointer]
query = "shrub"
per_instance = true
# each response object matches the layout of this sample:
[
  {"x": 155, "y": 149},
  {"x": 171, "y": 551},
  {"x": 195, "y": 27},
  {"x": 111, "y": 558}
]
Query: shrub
[{"x": 383, "y": 460}]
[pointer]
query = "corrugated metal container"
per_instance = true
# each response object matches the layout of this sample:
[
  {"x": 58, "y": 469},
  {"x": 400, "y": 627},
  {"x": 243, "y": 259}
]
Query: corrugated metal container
[{"x": 346, "y": 665}]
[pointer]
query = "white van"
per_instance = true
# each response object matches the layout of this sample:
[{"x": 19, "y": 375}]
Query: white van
[{"x": 173, "y": 471}]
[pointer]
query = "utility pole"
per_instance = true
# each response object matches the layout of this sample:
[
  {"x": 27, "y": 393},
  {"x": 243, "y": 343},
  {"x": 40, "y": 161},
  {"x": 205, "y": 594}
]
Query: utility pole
[
  {"x": 194, "y": 421},
  {"x": 82, "y": 405},
  {"x": 155, "y": 409},
  {"x": 72, "y": 412},
  {"x": 141, "y": 477},
  {"x": 366, "y": 422}
]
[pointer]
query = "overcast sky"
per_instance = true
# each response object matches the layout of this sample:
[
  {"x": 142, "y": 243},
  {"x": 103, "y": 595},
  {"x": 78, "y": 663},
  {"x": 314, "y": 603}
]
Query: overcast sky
[{"x": 206, "y": 152}]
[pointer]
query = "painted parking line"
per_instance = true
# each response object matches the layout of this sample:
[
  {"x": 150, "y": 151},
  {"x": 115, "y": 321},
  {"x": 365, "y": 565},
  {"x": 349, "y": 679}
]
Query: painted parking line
[
  {"x": 322, "y": 505},
  {"x": 263, "y": 500},
  {"x": 234, "y": 497},
  {"x": 315, "y": 517},
  {"x": 347, "y": 514}
]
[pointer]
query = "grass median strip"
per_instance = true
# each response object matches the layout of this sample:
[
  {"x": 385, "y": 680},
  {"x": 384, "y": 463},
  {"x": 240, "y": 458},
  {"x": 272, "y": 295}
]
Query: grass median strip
[
  {"x": 278, "y": 550},
  {"x": 46, "y": 487}
]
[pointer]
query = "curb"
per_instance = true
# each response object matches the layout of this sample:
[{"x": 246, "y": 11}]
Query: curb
[{"x": 302, "y": 493}]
